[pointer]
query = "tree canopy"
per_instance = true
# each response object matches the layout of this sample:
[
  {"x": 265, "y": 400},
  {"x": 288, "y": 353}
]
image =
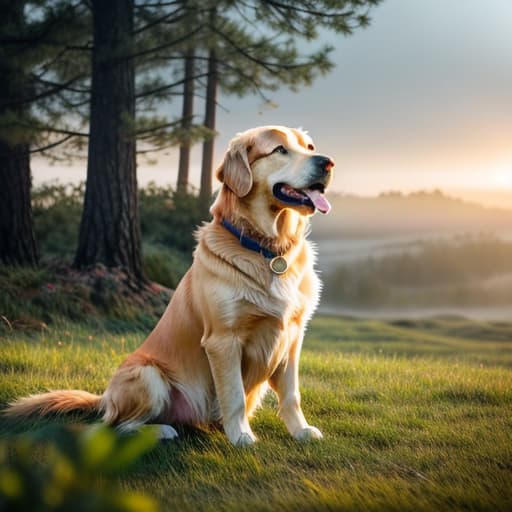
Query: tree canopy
[{"x": 181, "y": 56}]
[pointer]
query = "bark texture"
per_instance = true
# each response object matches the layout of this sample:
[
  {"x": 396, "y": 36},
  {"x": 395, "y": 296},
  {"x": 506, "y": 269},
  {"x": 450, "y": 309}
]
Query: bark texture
[
  {"x": 110, "y": 226},
  {"x": 186, "y": 115},
  {"x": 205, "y": 193},
  {"x": 17, "y": 240}
]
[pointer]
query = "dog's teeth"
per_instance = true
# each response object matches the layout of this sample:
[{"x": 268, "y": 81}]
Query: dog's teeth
[{"x": 291, "y": 192}]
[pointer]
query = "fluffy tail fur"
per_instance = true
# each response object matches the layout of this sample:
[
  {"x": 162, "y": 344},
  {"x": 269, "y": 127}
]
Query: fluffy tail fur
[{"x": 54, "y": 402}]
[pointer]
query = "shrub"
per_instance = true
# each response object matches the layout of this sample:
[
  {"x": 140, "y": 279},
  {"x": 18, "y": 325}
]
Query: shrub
[
  {"x": 165, "y": 266},
  {"x": 98, "y": 297},
  {"x": 57, "y": 210},
  {"x": 168, "y": 221},
  {"x": 169, "y": 218},
  {"x": 58, "y": 469}
]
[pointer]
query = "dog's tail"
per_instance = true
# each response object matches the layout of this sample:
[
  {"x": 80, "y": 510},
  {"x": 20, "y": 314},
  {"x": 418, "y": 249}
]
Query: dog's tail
[{"x": 54, "y": 402}]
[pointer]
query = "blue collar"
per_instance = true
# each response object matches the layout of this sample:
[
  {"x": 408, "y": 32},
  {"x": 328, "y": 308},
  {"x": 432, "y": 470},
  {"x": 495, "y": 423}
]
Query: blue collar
[{"x": 247, "y": 242}]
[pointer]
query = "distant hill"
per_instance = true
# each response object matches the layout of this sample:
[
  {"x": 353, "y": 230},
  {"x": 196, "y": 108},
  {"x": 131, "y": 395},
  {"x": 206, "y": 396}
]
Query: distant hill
[{"x": 394, "y": 213}]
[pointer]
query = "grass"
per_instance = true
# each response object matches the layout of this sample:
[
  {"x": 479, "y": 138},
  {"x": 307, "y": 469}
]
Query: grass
[{"x": 417, "y": 415}]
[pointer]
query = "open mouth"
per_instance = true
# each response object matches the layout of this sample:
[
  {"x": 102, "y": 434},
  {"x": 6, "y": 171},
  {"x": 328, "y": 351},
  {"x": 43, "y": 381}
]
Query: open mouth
[{"x": 313, "y": 196}]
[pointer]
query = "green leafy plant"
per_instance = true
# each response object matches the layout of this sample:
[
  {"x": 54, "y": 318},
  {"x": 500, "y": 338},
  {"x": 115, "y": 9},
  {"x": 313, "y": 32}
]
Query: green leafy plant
[
  {"x": 169, "y": 218},
  {"x": 59, "y": 469},
  {"x": 57, "y": 208}
]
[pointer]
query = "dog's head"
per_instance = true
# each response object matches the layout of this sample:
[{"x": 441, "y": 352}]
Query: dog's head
[{"x": 269, "y": 169}]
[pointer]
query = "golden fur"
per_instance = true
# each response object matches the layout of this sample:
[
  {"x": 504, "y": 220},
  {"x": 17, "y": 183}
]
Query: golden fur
[{"x": 233, "y": 327}]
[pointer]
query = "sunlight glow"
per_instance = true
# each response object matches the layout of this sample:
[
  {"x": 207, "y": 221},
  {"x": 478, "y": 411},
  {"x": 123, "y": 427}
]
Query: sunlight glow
[{"x": 502, "y": 177}]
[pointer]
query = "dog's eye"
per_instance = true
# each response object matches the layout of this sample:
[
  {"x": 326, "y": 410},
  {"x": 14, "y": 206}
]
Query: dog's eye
[
  {"x": 311, "y": 147},
  {"x": 280, "y": 149}
]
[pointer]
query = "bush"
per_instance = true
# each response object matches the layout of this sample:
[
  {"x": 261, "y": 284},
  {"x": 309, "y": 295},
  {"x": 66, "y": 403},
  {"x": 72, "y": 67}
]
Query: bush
[
  {"x": 168, "y": 218},
  {"x": 57, "y": 210},
  {"x": 100, "y": 297},
  {"x": 58, "y": 469},
  {"x": 97, "y": 296},
  {"x": 165, "y": 266},
  {"x": 19, "y": 285},
  {"x": 168, "y": 222}
]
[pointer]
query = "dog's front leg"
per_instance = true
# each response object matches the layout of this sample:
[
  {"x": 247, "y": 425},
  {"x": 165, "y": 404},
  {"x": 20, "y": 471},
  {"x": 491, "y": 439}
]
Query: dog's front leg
[
  {"x": 225, "y": 358},
  {"x": 285, "y": 382}
]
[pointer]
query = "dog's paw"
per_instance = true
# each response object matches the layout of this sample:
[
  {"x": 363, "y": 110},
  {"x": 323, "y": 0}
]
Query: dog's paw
[
  {"x": 308, "y": 434},
  {"x": 166, "y": 433},
  {"x": 245, "y": 440},
  {"x": 161, "y": 432}
]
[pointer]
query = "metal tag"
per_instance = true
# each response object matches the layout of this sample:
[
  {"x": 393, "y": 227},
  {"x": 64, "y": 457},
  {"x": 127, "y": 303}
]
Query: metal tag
[{"x": 278, "y": 265}]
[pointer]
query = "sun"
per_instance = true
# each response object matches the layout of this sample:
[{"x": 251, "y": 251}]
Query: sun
[{"x": 502, "y": 177}]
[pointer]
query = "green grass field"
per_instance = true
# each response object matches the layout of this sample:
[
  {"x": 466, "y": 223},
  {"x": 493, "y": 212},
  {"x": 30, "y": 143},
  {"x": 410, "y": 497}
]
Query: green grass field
[{"x": 417, "y": 415}]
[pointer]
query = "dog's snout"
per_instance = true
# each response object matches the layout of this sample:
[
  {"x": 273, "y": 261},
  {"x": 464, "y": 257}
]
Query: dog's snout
[{"x": 324, "y": 162}]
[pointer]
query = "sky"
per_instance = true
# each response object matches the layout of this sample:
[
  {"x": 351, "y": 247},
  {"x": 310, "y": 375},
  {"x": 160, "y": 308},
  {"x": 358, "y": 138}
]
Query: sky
[{"x": 421, "y": 99}]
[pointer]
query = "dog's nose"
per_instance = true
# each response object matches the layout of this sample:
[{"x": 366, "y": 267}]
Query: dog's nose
[{"x": 324, "y": 162}]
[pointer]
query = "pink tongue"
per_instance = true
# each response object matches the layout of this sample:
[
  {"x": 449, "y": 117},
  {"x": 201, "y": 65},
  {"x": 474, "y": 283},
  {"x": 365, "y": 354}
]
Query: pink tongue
[{"x": 319, "y": 200}]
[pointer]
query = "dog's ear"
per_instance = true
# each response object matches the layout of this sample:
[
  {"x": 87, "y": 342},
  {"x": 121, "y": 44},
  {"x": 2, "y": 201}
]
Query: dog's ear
[{"x": 235, "y": 171}]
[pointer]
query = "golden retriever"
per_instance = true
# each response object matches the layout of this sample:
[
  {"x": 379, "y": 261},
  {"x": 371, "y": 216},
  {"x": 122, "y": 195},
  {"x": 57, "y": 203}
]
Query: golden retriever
[{"x": 235, "y": 323}]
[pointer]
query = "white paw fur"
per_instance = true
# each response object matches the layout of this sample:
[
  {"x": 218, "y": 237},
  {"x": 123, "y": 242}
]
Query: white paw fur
[
  {"x": 245, "y": 439},
  {"x": 162, "y": 432},
  {"x": 167, "y": 432},
  {"x": 308, "y": 434}
]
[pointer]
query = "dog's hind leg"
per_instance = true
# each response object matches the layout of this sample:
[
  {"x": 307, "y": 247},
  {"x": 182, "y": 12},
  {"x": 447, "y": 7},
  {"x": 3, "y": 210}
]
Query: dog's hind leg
[{"x": 136, "y": 395}]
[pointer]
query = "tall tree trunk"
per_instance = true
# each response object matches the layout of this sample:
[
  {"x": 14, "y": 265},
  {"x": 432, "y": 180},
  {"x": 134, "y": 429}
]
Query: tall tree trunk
[
  {"x": 205, "y": 193},
  {"x": 186, "y": 123},
  {"x": 110, "y": 226},
  {"x": 17, "y": 240}
]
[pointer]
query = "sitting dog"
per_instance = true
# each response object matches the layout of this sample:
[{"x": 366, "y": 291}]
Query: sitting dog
[{"x": 235, "y": 323}]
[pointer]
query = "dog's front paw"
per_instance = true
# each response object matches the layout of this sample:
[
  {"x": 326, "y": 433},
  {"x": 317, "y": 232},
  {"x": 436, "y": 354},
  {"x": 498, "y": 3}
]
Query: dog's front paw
[
  {"x": 245, "y": 439},
  {"x": 308, "y": 433}
]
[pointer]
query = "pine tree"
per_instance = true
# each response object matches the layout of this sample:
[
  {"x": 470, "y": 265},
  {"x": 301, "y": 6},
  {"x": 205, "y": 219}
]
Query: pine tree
[
  {"x": 205, "y": 191},
  {"x": 110, "y": 228},
  {"x": 17, "y": 241},
  {"x": 245, "y": 62},
  {"x": 235, "y": 58},
  {"x": 170, "y": 67},
  {"x": 46, "y": 60},
  {"x": 32, "y": 35},
  {"x": 186, "y": 119}
]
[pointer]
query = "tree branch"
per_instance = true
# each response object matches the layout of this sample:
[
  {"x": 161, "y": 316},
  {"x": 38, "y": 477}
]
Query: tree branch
[
  {"x": 159, "y": 4},
  {"x": 138, "y": 133},
  {"x": 154, "y": 150},
  {"x": 52, "y": 145},
  {"x": 65, "y": 85},
  {"x": 160, "y": 20},
  {"x": 271, "y": 67},
  {"x": 166, "y": 45},
  {"x": 311, "y": 12},
  {"x": 56, "y": 88},
  {"x": 169, "y": 86},
  {"x": 71, "y": 133}
]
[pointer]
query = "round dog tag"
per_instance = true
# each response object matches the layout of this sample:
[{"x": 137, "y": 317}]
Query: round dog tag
[{"x": 278, "y": 265}]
